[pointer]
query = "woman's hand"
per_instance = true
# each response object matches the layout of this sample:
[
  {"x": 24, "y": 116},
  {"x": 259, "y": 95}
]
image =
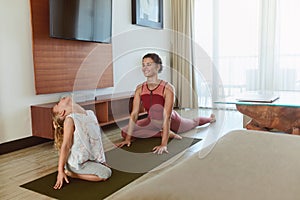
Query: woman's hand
[
  {"x": 125, "y": 142},
  {"x": 61, "y": 176},
  {"x": 160, "y": 149}
]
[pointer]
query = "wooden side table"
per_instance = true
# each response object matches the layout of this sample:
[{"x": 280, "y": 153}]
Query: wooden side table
[{"x": 282, "y": 114}]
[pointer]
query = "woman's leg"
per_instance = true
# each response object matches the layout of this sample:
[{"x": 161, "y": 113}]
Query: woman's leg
[
  {"x": 180, "y": 124},
  {"x": 143, "y": 129}
]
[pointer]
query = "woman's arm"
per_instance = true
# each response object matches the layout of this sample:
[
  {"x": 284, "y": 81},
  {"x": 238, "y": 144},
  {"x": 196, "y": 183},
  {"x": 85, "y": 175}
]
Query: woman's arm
[
  {"x": 64, "y": 152},
  {"x": 168, "y": 107},
  {"x": 133, "y": 116}
]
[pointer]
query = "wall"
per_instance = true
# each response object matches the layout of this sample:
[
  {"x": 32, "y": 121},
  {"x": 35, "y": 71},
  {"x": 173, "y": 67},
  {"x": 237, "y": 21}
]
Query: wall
[
  {"x": 66, "y": 65},
  {"x": 17, "y": 93}
]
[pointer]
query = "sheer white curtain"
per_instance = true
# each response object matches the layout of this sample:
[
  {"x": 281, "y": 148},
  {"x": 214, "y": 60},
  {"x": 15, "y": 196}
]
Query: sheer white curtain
[
  {"x": 183, "y": 77},
  {"x": 267, "y": 43},
  {"x": 253, "y": 44}
]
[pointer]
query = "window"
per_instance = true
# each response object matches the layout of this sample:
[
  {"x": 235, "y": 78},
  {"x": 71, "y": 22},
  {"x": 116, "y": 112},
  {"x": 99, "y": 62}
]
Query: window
[
  {"x": 253, "y": 44},
  {"x": 289, "y": 45}
]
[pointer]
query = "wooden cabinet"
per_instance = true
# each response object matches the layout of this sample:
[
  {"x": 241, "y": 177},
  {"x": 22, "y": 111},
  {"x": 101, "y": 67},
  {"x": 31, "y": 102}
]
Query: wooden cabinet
[{"x": 109, "y": 109}]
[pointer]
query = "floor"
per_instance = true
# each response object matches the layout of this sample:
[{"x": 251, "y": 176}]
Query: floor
[{"x": 28, "y": 164}]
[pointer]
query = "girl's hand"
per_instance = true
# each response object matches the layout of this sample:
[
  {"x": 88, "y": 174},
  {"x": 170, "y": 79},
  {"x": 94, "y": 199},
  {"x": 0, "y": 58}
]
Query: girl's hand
[
  {"x": 61, "y": 176},
  {"x": 160, "y": 149}
]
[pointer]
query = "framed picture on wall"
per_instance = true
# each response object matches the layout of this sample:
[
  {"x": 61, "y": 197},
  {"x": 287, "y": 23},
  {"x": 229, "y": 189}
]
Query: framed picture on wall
[{"x": 147, "y": 13}]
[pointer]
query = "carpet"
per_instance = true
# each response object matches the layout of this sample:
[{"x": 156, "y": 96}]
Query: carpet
[{"x": 127, "y": 165}]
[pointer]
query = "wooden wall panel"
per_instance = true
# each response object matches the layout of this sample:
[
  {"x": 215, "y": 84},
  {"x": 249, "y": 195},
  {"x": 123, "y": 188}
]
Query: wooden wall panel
[{"x": 66, "y": 65}]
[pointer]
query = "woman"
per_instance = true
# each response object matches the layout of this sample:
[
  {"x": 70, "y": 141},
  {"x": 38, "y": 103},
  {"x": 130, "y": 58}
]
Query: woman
[
  {"x": 157, "y": 97},
  {"x": 78, "y": 139}
]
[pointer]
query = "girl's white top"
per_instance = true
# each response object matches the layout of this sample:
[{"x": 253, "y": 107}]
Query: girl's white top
[{"x": 87, "y": 142}]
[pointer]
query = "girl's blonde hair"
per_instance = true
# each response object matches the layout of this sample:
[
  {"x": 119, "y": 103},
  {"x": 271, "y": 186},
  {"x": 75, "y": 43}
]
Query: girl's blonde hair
[{"x": 58, "y": 124}]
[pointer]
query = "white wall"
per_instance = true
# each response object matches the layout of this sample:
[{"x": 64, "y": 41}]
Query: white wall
[{"x": 17, "y": 92}]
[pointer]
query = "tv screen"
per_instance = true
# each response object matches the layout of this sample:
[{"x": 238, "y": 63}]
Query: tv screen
[{"x": 87, "y": 20}]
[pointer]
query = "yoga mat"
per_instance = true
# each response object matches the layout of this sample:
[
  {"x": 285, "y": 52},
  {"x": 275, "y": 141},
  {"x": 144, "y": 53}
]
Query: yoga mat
[{"x": 127, "y": 164}]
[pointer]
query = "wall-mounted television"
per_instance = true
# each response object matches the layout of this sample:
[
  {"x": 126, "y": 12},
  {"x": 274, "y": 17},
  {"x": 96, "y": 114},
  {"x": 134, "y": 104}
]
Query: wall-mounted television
[{"x": 86, "y": 20}]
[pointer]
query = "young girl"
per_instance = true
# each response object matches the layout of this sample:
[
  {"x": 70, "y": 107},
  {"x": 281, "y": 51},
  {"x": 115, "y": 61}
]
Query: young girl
[
  {"x": 157, "y": 97},
  {"x": 78, "y": 139}
]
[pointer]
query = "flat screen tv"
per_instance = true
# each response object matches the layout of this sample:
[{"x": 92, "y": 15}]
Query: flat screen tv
[{"x": 86, "y": 20}]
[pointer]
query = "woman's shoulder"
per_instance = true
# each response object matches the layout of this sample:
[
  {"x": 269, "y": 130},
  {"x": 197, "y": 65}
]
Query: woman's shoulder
[
  {"x": 139, "y": 87},
  {"x": 169, "y": 86}
]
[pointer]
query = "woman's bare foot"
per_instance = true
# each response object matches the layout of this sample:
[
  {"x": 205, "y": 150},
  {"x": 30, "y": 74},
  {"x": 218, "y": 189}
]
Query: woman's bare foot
[
  {"x": 175, "y": 136},
  {"x": 212, "y": 118}
]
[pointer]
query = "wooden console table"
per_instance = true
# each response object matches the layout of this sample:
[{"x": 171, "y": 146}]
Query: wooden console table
[
  {"x": 109, "y": 109},
  {"x": 282, "y": 114}
]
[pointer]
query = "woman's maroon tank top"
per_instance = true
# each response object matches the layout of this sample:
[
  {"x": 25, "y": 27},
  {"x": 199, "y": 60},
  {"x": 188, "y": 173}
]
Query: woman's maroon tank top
[{"x": 153, "y": 100}]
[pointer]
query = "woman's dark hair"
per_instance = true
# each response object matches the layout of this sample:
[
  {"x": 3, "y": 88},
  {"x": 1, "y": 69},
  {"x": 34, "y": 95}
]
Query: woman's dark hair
[{"x": 156, "y": 59}]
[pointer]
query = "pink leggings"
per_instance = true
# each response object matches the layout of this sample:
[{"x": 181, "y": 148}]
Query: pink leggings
[{"x": 145, "y": 128}]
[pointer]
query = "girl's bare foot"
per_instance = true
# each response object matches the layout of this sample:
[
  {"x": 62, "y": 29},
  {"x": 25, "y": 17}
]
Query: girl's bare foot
[
  {"x": 70, "y": 174},
  {"x": 87, "y": 177}
]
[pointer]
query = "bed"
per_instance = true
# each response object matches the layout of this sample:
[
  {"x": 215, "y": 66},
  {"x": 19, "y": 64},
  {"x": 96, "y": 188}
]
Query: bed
[{"x": 243, "y": 164}]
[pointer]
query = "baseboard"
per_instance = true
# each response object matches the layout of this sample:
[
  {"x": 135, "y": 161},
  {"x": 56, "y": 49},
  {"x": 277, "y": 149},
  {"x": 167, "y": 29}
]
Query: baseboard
[{"x": 21, "y": 144}]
